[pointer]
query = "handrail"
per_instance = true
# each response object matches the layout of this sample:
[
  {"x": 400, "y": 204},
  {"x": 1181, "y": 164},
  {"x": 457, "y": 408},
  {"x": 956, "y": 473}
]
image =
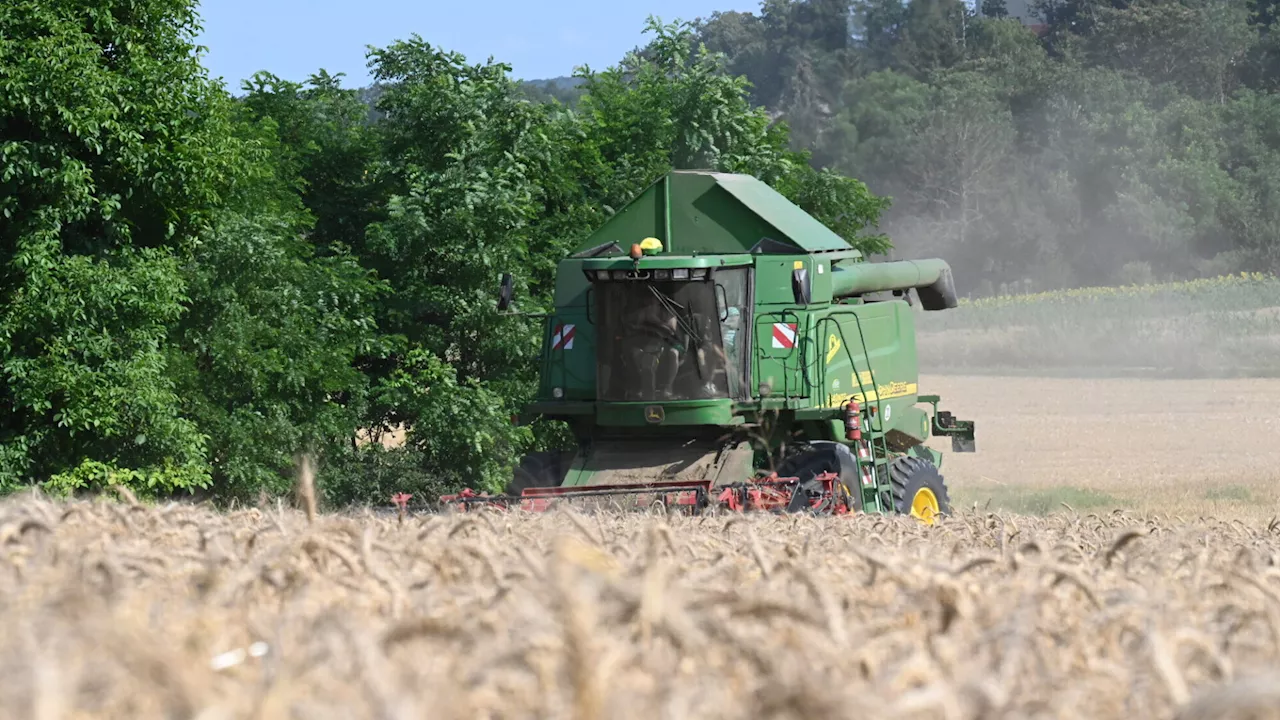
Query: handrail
[
  {"x": 844, "y": 344},
  {"x": 876, "y": 426}
]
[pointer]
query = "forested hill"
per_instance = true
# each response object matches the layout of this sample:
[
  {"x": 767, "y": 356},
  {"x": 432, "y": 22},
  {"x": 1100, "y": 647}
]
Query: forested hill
[{"x": 1117, "y": 141}]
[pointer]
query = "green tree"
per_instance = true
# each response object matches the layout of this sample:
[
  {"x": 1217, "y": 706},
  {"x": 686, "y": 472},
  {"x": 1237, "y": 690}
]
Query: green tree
[
  {"x": 115, "y": 154},
  {"x": 995, "y": 9},
  {"x": 933, "y": 36},
  {"x": 327, "y": 151},
  {"x": 944, "y": 152},
  {"x": 1198, "y": 46},
  {"x": 167, "y": 324},
  {"x": 1121, "y": 132},
  {"x": 266, "y": 356},
  {"x": 879, "y": 29},
  {"x": 460, "y": 146}
]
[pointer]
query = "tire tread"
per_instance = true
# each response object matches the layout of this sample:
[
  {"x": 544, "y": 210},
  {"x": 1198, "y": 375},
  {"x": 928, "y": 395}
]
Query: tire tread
[{"x": 907, "y": 474}]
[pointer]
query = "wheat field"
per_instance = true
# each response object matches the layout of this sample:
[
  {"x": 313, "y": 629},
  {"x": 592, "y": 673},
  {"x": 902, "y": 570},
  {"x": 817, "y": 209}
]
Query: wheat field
[
  {"x": 120, "y": 610},
  {"x": 1179, "y": 447},
  {"x": 1099, "y": 564}
]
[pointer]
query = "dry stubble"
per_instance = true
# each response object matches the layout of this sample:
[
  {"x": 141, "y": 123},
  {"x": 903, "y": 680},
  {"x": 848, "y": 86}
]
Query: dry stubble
[{"x": 1183, "y": 447}]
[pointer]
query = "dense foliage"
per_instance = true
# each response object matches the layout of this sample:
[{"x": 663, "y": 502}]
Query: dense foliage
[
  {"x": 198, "y": 287},
  {"x": 1090, "y": 142},
  {"x": 116, "y": 155}
]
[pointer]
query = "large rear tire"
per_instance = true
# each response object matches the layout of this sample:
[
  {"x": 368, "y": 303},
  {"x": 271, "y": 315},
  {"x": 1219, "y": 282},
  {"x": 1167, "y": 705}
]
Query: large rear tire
[
  {"x": 814, "y": 459},
  {"x": 537, "y": 470},
  {"x": 919, "y": 489}
]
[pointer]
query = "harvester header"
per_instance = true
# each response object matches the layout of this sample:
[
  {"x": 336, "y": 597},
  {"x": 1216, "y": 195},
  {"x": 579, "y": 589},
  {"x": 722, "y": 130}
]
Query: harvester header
[{"x": 712, "y": 344}]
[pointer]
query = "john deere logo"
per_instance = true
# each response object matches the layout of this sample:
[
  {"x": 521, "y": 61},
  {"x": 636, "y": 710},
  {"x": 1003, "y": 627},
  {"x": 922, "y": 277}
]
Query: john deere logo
[{"x": 654, "y": 414}]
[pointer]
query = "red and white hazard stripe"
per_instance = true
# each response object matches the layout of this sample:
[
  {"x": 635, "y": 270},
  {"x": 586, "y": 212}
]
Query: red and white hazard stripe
[
  {"x": 784, "y": 335},
  {"x": 562, "y": 338},
  {"x": 868, "y": 468}
]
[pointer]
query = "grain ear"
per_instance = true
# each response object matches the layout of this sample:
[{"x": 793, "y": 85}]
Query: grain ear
[{"x": 305, "y": 486}]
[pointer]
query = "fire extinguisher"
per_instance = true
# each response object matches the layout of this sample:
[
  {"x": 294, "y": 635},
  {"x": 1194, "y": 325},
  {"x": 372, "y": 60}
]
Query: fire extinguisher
[{"x": 852, "y": 421}]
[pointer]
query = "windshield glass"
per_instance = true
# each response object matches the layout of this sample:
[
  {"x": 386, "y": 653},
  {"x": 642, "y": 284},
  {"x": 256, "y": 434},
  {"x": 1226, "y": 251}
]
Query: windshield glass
[{"x": 661, "y": 341}]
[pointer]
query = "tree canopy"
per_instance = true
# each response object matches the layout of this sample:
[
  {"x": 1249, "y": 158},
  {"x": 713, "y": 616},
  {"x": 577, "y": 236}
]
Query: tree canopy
[
  {"x": 1093, "y": 142},
  {"x": 198, "y": 286}
]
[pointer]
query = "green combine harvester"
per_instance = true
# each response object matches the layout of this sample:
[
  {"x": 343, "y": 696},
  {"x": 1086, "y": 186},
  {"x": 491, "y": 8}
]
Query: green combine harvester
[{"x": 714, "y": 346}]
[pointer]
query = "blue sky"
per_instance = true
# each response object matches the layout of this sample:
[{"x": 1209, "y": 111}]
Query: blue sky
[{"x": 294, "y": 38}]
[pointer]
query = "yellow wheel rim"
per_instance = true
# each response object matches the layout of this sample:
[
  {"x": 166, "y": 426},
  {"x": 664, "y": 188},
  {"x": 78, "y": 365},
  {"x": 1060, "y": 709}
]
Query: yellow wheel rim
[{"x": 924, "y": 506}]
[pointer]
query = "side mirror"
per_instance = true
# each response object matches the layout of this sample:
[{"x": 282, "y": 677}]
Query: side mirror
[
  {"x": 507, "y": 292},
  {"x": 800, "y": 287}
]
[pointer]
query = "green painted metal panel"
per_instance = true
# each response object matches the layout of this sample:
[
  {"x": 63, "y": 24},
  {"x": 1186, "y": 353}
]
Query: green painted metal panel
[
  {"x": 869, "y": 354},
  {"x": 913, "y": 421},
  {"x": 819, "y": 278},
  {"x": 699, "y": 412},
  {"x": 572, "y": 286},
  {"x": 773, "y": 279},
  {"x": 561, "y": 408},
  {"x": 666, "y": 262},
  {"x": 568, "y": 356},
  {"x": 707, "y": 213},
  {"x": 796, "y": 225},
  {"x": 783, "y": 340},
  {"x": 706, "y": 220},
  {"x": 569, "y": 339}
]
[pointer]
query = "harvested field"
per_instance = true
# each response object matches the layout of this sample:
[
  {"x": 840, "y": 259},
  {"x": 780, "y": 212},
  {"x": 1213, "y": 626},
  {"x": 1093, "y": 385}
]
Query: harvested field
[
  {"x": 1182, "y": 447},
  {"x": 123, "y": 611}
]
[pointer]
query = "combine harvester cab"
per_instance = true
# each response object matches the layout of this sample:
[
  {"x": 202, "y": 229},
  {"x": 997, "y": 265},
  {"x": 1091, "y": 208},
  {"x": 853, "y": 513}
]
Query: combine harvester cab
[{"x": 714, "y": 346}]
